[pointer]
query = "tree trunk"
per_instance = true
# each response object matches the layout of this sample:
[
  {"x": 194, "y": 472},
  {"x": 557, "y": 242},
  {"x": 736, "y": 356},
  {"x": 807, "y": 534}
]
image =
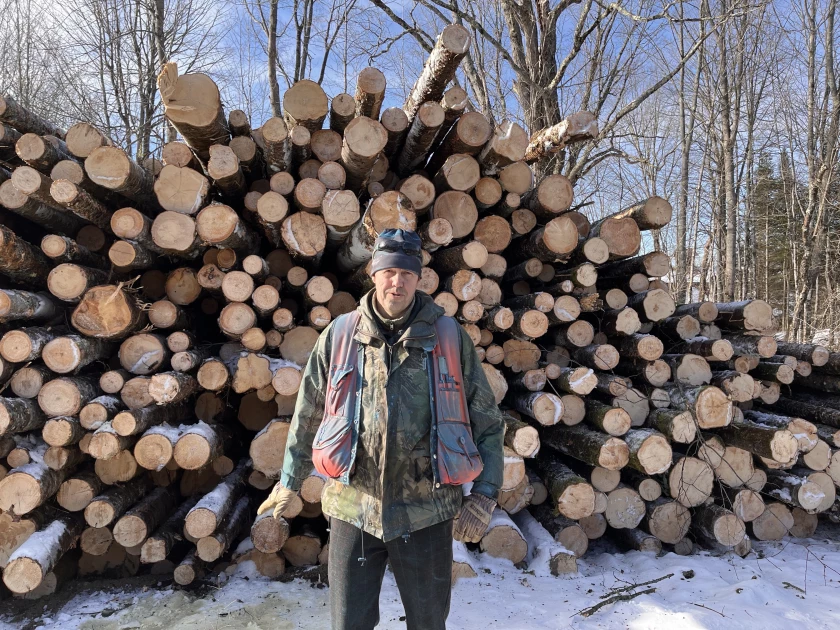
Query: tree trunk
[
  {"x": 138, "y": 523},
  {"x": 192, "y": 104},
  {"x": 214, "y": 546}
]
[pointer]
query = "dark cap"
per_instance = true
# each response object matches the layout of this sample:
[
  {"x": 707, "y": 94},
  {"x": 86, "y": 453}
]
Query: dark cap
[{"x": 397, "y": 249}]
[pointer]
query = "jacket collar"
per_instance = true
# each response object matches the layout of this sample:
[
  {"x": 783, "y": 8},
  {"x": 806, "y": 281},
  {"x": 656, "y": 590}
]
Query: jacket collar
[{"x": 420, "y": 331}]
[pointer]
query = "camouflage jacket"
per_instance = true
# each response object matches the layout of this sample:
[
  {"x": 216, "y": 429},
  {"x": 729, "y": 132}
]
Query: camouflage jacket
[{"x": 391, "y": 491}]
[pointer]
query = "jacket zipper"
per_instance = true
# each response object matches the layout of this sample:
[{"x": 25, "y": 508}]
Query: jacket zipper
[{"x": 433, "y": 435}]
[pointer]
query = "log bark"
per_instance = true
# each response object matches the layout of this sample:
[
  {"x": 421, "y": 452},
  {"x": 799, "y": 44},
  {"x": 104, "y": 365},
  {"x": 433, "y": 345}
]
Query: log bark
[
  {"x": 450, "y": 48},
  {"x": 8, "y": 138},
  {"x": 220, "y": 226},
  {"x": 199, "y": 445},
  {"x": 20, "y": 261},
  {"x": 25, "y": 121},
  {"x": 636, "y": 346},
  {"x": 810, "y": 410},
  {"x": 269, "y": 534},
  {"x": 26, "y": 382},
  {"x": 111, "y": 168},
  {"x": 44, "y": 214},
  {"x": 814, "y": 354},
  {"x": 214, "y": 546},
  {"x": 62, "y": 431},
  {"x": 32, "y": 562},
  {"x": 211, "y": 510},
  {"x": 676, "y": 425},
  {"x": 427, "y": 120},
  {"x": 26, "y": 344},
  {"x": 552, "y": 243},
  {"x": 545, "y": 408},
  {"x": 718, "y": 524},
  {"x": 342, "y": 111},
  {"x": 190, "y": 569},
  {"x": 273, "y": 139},
  {"x": 171, "y": 387},
  {"x": 579, "y": 381},
  {"x": 586, "y": 445},
  {"x": 578, "y": 127},
  {"x": 571, "y": 495},
  {"x": 98, "y": 411},
  {"x": 104, "y": 509},
  {"x": 467, "y": 136},
  {"x": 618, "y": 322},
  {"x": 597, "y": 356},
  {"x": 364, "y": 141},
  {"x": 36, "y": 307},
  {"x": 26, "y": 487},
  {"x": 19, "y": 415},
  {"x": 705, "y": 312},
  {"x": 611, "y": 420},
  {"x": 159, "y": 545},
  {"x": 775, "y": 444},
  {"x": 61, "y": 249},
  {"x": 777, "y": 372},
  {"x": 709, "y": 405},
  {"x": 70, "y": 353},
  {"x": 521, "y": 437},
  {"x": 138, "y": 523},
  {"x": 81, "y": 203},
  {"x": 192, "y": 104},
  {"x": 745, "y": 315},
  {"x": 650, "y": 452},
  {"x": 370, "y": 92}
]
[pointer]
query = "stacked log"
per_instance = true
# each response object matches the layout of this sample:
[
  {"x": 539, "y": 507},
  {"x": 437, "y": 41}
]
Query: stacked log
[{"x": 156, "y": 332}]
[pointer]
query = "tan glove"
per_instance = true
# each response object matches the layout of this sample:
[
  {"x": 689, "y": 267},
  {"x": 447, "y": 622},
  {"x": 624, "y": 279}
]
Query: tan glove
[
  {"x": 471, "y": 524},
  {"x": 278, "y": 500}
]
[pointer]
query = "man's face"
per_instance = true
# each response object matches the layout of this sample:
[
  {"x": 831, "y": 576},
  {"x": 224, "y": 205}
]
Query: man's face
[{"x": 395, "y": 289}]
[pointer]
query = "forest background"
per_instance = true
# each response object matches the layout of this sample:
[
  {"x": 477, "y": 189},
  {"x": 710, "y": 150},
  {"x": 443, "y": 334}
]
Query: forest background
[{"x": 730, "y": 109}]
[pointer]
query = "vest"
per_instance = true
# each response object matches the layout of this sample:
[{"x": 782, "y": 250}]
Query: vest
[{"x": 455, "y": 457}]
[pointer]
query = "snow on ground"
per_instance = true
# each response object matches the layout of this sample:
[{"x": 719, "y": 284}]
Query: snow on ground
[{"x": 794, "y": 581}]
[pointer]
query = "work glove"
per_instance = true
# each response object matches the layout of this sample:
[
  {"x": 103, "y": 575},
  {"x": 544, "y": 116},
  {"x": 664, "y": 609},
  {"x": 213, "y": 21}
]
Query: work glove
[
  {"x": 471, "y": 524},
  {"x": 278, "y": 500}
]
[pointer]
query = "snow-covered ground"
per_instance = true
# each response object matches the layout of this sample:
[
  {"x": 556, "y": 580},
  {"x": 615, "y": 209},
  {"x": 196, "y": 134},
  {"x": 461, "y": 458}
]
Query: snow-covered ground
[{"x": 791, "y": 582}]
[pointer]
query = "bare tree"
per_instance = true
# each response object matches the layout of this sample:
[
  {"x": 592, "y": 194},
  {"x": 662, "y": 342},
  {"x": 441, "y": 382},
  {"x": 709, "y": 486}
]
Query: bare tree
[{"x": 122, "y": 44}]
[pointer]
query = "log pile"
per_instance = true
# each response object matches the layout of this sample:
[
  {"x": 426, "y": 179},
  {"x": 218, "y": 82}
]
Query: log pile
[{"x": 154, "y": 325}]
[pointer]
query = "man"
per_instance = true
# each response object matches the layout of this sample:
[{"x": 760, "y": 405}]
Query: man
[{"x": 396, "y": 443}]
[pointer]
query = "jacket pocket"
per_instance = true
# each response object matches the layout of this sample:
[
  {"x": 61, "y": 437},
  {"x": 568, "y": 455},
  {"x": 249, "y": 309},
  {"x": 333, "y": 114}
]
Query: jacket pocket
[
  {"x": 339, "y": 388},
  {"x": 457, "y": 454},
  {"x": 332, "y": 449},
  {"x": 450, "y": 408}
]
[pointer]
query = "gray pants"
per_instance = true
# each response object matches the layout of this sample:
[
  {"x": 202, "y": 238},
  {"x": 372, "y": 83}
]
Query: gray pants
[{"x": 422, "y": 566}]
